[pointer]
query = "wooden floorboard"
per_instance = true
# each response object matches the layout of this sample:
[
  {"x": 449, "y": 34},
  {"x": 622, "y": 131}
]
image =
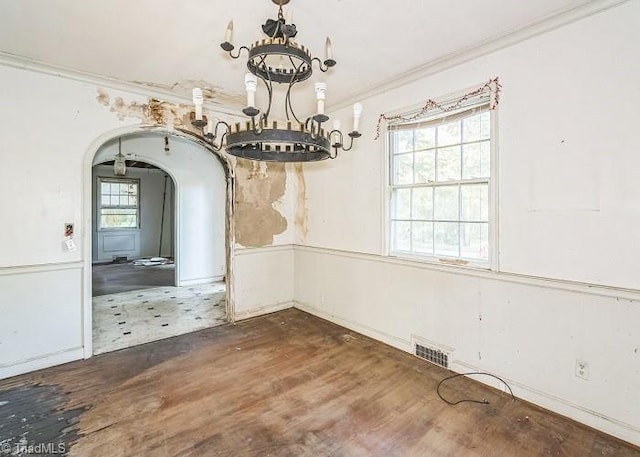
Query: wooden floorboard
[{"x": 286, "y": 384}]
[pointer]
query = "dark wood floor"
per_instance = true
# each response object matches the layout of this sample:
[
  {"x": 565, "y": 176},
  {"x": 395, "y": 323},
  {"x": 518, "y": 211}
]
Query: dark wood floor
[
  {"x": 286, "y": 384},
  {"x": 112, "y": 278}
]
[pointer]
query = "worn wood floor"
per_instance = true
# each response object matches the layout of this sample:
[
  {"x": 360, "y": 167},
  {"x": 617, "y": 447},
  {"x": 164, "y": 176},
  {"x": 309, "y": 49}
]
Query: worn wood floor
[
  {"x": 286, "y": 384},
  {"x": 112, "y": 278}
]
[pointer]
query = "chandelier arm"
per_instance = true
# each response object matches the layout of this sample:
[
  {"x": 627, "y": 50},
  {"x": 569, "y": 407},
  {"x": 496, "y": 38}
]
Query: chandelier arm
[
  {"x": 321, "y": 66},
  {"x": 269, "y": 85},
  {"x": 257, "y": 128},
  {"x": 308, "y": 125},
  {"x": 288, "y": 107},
  {"x": 239, "y": 52},
  {"x": 353, "y": 136},
  {"x": 218, "y": 147},
  {"x": 222, "y": 139},
  {"x": 288, "y": 96},
  {"x": 293, "y": 64},
  {"x": 340, "y": 141},
  {"x": 287, "y": 99},
  {"x": 215, "y": 130},
  {"x": 211, "y": 137}
]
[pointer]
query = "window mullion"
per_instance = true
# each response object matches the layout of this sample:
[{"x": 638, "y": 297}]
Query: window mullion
[
  {"x": 433, "y": 224},
  {"x": 460, "y": 216},
  {"x": 413, "y": 180},
  {"x": 435, "y": 158}
]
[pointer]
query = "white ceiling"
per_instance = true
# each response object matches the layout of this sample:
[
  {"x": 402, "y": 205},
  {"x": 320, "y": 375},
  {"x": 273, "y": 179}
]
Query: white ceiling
[{"x": 175, "y": 43}]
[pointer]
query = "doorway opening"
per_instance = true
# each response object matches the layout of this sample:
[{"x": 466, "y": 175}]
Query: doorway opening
[
  {"x": 158, "y": 241},
  {"x": 133, "y": 221}
]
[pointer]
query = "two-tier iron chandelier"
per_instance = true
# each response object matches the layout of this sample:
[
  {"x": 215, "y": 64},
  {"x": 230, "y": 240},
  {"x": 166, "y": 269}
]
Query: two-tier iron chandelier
[{"x": 277, "y": 59}]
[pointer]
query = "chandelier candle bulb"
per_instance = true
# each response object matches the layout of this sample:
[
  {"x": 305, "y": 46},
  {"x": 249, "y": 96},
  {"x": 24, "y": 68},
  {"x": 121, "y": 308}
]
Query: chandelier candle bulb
[
  {"x": 321, "y": 95},
  {"x": 228, "y": 36},
  {"x": 209, "y": 129},
  {"x": 336, "y": 131},
  {"x": 357, "y": 114},
  {"x": 251, "y": 85},
  {"x": 198, "y": 100},
  {"x": 328, "y": 50}
]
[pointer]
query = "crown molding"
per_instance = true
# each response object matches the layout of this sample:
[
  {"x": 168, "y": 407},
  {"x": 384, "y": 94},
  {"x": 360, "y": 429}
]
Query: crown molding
[
  {"x": 538, "y": 27},
  {"x": 24, "y": 63}
]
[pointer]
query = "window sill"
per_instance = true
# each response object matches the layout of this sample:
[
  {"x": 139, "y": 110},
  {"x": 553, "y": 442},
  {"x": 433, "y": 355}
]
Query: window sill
[{"x": 446, "y": 261}]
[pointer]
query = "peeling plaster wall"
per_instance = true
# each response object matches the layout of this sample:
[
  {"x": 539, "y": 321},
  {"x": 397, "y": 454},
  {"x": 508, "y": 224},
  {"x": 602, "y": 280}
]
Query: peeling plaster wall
[
  {"x": 301, "y": 209},
  {"x": 41, "y": 184},
  {"x": 569, "y": 212},
  {"x": 259, "y": 187}
]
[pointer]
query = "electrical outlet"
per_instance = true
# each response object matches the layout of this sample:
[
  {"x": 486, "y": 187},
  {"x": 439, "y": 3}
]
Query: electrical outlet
[{"x": 582, "y": 369}]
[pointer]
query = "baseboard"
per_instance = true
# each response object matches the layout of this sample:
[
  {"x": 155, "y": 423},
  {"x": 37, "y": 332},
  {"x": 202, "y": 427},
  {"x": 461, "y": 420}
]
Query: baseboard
[
  {"x": 594, "y": 419},
  {"x": 45, "y": 361},
  {"x": 199, "y": 281},
  {"x": 391, "y": 340},
  {"x": 262, "y": 310}
]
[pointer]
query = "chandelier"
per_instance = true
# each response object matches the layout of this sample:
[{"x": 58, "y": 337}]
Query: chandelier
[
  {"x": 277, "y": 59},
  {"x": 119, "y": 164}
]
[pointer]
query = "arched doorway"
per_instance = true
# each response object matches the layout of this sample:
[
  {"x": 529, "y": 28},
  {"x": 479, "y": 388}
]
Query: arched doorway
[{"x": 199, "y": 218}]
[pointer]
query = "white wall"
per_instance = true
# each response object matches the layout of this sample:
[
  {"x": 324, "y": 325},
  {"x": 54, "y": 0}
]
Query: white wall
[
  {"x": 40, "y": 316},
  {"x": 152, "y": 189},
  {"x": 266, "y": 280},
  {"x": 569, "y": 212},
  {"x": 201, "y": 198}
]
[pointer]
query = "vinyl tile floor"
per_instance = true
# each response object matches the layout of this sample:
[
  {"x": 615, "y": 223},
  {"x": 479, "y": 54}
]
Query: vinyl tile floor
[{"x": 131, "y": 318}]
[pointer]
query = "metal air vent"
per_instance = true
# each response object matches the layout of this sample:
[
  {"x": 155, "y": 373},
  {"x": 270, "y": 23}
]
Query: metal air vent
[{"x": 433, "y": 355}]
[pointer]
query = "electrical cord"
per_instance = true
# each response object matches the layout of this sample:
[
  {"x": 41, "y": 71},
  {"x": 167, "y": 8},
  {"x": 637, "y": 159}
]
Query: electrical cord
[{"x": 484, "y": 401}]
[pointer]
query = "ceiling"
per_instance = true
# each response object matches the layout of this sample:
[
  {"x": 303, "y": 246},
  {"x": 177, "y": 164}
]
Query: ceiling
[{"x": 174, "y": 44}]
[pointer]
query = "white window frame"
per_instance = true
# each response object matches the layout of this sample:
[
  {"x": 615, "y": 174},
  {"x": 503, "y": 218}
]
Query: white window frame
[
  {"x": 492, "y": 262},
  {"x": 100, "y": 206}
]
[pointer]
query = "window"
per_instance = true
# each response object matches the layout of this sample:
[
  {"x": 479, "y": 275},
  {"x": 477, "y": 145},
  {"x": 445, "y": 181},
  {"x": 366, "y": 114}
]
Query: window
[
  {"x": 440, "y": 185},
  {"x": 119, "y": 203}
]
